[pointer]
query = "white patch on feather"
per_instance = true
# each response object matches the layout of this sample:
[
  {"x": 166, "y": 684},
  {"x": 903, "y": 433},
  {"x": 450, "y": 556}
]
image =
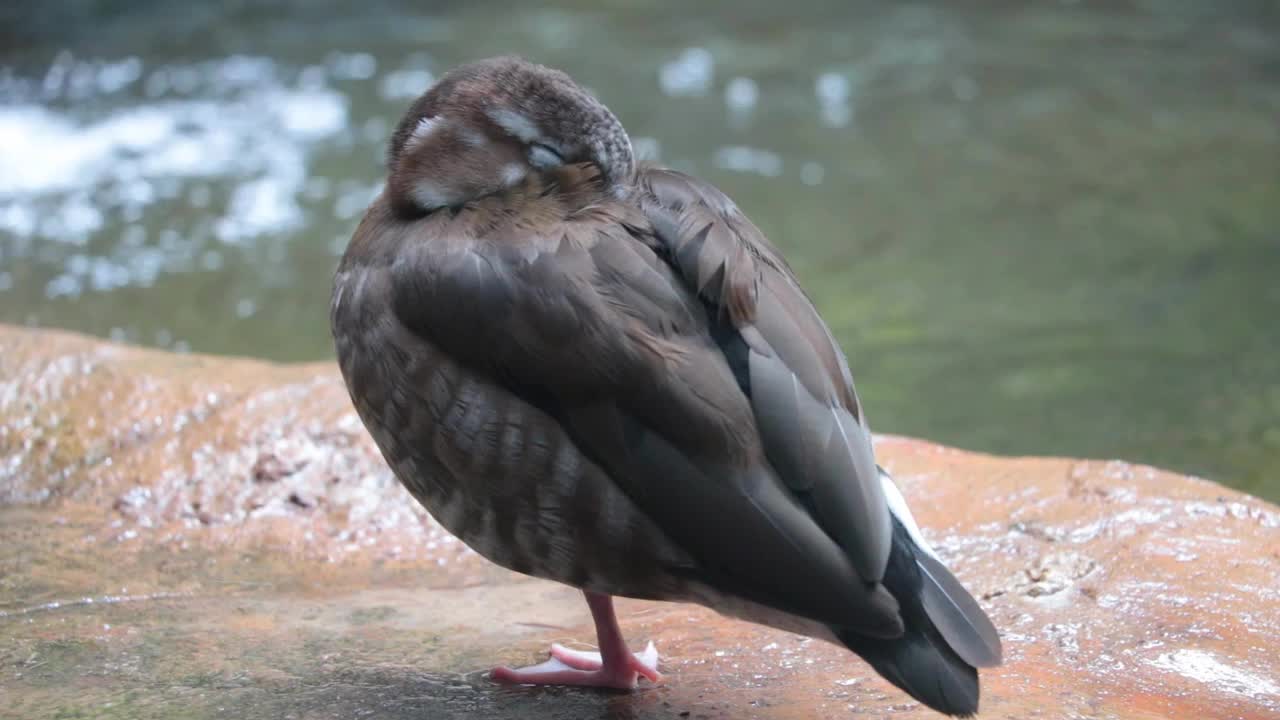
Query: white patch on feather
[
  {"x": 513, "y": 173},
  {"x": 515, "y": 123},
  {"x": 429, "y": 196},
  {"x": 544, "y": 158},
  {"x": 424, "y": 129},
  {"x": 898, "y": 506},
  {"x": 337, "y": 296}
]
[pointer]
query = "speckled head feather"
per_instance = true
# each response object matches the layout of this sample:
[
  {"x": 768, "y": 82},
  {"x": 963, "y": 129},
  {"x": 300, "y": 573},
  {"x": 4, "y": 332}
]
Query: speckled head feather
[{"x": 487, "y": 125}]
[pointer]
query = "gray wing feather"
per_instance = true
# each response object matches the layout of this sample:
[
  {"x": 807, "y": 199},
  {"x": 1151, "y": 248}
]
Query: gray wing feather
[
  {"x": 595, "y": 331},
  {"x": 754, "y": 538},
  {"x": 958, "y": 617},
  {"x": 808, "y": 414}
]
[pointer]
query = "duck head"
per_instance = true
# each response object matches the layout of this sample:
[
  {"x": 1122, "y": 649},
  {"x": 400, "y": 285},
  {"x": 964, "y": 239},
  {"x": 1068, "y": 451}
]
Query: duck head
[{"x": 486, "y": 126}]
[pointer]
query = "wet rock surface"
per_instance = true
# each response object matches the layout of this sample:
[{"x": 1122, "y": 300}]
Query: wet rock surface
[{"x": 185, "y": 536}]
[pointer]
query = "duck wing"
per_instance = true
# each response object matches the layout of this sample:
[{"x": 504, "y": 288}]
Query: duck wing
[
  {"x": 815, "y": 434},
  {"x": 786, "y": 361},
  {"x": 582, "y": 315}
]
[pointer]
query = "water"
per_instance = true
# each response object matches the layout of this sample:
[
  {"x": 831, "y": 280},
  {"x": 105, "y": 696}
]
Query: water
[{"x": 1041, "y": 228}]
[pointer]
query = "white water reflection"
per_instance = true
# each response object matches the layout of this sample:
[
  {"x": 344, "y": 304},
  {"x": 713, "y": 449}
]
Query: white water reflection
[
  {"x": 66, "y": 174},
  {"x": 119, "y": 162},
  {"x": 689, "y": 74}
]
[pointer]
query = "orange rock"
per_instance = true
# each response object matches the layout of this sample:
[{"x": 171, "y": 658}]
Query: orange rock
[{"x": 218, "y": 537}]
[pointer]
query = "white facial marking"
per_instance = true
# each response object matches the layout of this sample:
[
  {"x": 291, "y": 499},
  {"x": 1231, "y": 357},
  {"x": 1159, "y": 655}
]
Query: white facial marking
[
  {"x": 429, "y": 196},
  {"x": 423, "y": 130},
  {"x": 898, "y": 506},
  {"x": 513, "y": 122},
  {"x": 513, "y": 173},
  {"x": 543, "y": 159}
]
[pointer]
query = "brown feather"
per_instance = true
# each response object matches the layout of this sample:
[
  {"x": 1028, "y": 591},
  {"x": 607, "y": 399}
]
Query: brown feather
[{"x": 610, "y": 378}]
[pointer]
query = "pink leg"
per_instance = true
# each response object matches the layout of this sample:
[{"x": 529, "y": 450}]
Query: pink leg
[{"x": 613, "y": 667}]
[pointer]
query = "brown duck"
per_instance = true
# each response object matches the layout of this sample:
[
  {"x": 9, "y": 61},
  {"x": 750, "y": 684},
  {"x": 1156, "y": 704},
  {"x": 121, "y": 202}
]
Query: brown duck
[{"x": 604, "y": 375}]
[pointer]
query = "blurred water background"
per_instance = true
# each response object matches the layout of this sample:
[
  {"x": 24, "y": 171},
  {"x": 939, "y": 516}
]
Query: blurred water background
[{"x": 1036, "y": 227}]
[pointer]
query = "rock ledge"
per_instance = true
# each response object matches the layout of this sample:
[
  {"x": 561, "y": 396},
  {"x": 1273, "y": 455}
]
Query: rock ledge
[{"x": 213, "y": 537}]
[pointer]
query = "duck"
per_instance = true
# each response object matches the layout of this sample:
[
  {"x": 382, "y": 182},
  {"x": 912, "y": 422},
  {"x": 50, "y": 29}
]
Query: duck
[{"x": 601, "y": 373}]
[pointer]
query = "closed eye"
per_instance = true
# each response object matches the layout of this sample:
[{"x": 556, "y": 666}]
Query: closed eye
[{"x": 543, "y": 157}]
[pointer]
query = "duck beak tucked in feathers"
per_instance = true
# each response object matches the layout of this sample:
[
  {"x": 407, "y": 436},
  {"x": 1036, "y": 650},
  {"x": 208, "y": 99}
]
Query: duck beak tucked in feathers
[{"x": 606, "y": 376}]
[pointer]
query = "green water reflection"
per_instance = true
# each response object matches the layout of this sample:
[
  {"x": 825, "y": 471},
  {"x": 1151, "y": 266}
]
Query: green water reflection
[{"x": 1041, "y": 228}]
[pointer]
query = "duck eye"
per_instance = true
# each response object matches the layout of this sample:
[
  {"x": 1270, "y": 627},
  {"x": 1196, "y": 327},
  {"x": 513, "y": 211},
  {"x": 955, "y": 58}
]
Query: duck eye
[{"x": 543, "y": 157}]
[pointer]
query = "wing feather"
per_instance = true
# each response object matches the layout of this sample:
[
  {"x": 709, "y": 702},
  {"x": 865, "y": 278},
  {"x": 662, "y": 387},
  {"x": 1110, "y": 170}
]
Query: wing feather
[
  {"x": 801, "y": 391},
  {"x": 585, "y": 321}
]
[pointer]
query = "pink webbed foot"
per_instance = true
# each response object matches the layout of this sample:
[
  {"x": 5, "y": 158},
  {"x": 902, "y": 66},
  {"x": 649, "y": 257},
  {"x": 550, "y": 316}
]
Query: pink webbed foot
[
  {"x": 613, "y": 667},
  {"x": 585, "y": 669}
]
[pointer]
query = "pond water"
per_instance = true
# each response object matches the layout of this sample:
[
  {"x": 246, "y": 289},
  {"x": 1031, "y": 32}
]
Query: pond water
[{"x": 1037, "y": 228}]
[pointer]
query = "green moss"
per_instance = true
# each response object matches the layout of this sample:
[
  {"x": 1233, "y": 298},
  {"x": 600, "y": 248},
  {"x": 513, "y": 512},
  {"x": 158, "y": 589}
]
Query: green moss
[
  {"x": 365, "y": 616},
  {"x": 61, "y": 660}
]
